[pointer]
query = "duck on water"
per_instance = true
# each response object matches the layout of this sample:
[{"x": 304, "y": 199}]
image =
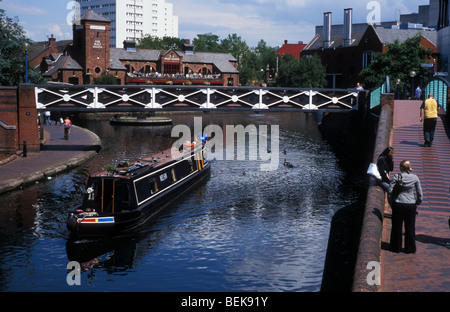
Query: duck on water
[{"x": 121, "y": 199}]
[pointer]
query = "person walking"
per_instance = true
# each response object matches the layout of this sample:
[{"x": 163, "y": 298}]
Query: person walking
[
  {"x": 47, "y": 120},
  {"x": 429, "y": 115},
  {"x": 418, "y": 93},
  {"x": 404, "y": 206}
]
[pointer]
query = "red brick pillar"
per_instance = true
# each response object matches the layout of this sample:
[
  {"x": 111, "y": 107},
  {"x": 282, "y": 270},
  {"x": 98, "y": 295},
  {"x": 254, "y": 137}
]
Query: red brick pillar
[
  {"x": 8, "y": 120},
  {"x": 28, "y": 119}
]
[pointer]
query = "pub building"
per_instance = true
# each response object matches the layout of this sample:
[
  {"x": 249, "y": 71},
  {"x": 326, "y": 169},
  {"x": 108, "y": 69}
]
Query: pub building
[{"x": 89, "y": 55}]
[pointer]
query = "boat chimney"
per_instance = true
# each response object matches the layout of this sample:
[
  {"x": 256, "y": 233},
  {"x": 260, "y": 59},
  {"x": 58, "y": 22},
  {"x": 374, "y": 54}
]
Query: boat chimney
[
  {"x": 347, "y": 27},
  {"x": 326, "y": 30}
]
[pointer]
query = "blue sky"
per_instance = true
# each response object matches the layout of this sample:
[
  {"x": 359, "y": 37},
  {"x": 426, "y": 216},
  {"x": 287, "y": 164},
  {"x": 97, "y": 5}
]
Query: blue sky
[{"x": 271, "y": 20}]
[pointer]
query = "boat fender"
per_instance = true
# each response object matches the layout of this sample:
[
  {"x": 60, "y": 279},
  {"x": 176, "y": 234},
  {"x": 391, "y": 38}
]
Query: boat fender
[{"x": 72, "y": 222}]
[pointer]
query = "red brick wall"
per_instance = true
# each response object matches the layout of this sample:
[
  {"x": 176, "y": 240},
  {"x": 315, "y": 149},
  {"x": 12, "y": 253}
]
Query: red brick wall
[
  {"x": 97, "y": 49},
  {"x": 8, "y": 114},
  {"x": 27, "y": 116}
]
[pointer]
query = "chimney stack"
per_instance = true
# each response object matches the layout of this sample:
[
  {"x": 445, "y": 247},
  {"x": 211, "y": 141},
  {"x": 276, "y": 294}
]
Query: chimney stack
[
  {"x": 52, "y": 41},
  {"x": 326, "y": 30},
  {"x": 347, "y": 27}
]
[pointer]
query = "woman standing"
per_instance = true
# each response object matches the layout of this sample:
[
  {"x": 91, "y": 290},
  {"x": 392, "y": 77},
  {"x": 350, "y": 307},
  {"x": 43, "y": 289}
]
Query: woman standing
[{"x": 404, "y": 208}]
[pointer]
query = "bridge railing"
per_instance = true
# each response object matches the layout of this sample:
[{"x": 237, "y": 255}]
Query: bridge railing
[
  {"x": 375, "y": 95},
  {"x": 142, "y": 98},
  {"x": 439, "y": 87}
]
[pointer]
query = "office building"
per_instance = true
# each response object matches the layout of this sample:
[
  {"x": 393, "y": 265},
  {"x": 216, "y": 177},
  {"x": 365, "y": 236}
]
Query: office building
[{"x": 132, "y": 19}]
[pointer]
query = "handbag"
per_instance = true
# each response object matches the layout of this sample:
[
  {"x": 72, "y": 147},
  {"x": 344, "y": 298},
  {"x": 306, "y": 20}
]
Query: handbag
[
  {"x": 373, "y": 171},
  {"x": 395, "y": 190}
]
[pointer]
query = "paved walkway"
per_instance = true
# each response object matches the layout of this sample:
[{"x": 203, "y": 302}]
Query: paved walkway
[
  {"x": 428, "y": 270},
  {"x": 57, "y": 155}
]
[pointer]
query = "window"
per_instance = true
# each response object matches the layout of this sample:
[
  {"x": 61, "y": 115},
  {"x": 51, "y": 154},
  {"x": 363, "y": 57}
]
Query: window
[
  {"x": 368, "y": 57},
  {"x": 171, "y": 68},
  {"x": 146, "y": 188},
  {"x": 443, "y": 14}
]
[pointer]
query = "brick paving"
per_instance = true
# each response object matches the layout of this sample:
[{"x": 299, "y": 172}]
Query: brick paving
[
  {"x": 56, "y": 154},
  {"x": 428, "y": 270}
]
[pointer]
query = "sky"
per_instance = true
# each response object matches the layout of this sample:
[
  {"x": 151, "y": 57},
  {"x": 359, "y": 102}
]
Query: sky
[{"x": 253, "y": 20}]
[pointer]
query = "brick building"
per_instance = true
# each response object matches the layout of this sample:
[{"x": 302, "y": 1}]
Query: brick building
[
  {"x": 90, "y": 55},
  {"x": 345, "y": 52},
  {"x": 18, "y": 119},
  {"x": 291, "y": 48}
]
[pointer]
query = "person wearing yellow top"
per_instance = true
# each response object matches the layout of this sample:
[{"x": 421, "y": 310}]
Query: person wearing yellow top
[{"x": 429, "y": 115}]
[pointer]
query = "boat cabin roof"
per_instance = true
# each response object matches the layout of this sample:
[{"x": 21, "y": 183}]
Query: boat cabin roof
[{"x": 130, "y": 170}]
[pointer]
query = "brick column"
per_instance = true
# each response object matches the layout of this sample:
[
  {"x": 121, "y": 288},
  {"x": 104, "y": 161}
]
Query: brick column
[
  {"x": 8, "y": 120},
  {"x": 27, "y": 116}
]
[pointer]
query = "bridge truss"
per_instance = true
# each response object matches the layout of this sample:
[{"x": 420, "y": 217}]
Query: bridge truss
[{"x": 203, "y": 98}]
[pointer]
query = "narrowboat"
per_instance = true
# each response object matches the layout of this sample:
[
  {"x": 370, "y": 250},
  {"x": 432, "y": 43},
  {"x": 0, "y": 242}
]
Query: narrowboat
[{"x": 120, "y": 200}]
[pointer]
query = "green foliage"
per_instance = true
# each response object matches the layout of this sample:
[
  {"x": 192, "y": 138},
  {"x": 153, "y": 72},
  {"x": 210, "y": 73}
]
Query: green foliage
[
  {"x": 397, "y": 63},
  {"x": 155, "y": 43},
  {"x": 106, "y": 79},
  {"x": 12, "y": 53},
  {"x": 288, "y": 74},
  {"x": 306, "y": 73},
  {"x": 312, "y": 72},
  {"x": 207, "y": 43}
]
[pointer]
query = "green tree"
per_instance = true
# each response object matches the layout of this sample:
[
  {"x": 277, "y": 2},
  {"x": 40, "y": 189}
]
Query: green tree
[
  {"x": 155, "y": 43},
  {"x": 266, "y": 56},
  {"x": 207, "y": 43},
  {"x": 233, "y": 44},
  {"x": 312, "y": 74},
  {"x": 397, "y": 63},
  {"x": 306, "y": 73},
  {"x": 12, "y": 53},
  {"x": 106, "y": 79},
  {"x": 288, "y": 73}
]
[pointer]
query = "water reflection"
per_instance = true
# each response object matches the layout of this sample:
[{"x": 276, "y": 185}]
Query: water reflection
[{"x": 241, "y": 230}]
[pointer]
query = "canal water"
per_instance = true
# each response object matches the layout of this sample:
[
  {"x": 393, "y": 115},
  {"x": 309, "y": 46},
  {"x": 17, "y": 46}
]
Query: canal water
[{"x": 243, "y": 229}]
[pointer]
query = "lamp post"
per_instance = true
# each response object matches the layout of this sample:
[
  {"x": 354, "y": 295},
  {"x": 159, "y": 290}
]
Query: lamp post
[
  {"x": 412, "y": 74},
  {"x": 26, "y": 61}
]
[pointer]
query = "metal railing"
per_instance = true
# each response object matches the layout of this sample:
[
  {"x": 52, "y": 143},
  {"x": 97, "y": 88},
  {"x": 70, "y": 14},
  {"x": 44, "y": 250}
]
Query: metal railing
[
  {"x": 143, "y": 98},
  {"x": 439, "y": 87},
  {"x": 375, "y": 95}
]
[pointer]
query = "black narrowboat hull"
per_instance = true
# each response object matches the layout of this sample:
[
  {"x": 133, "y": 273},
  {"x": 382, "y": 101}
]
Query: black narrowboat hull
[{"x": 88, "y": 225}]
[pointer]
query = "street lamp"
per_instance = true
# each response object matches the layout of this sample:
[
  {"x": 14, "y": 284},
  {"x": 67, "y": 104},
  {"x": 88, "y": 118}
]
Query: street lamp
[
  {"x": 412, "y": 74},
  {"x": 26, "y": 45}
]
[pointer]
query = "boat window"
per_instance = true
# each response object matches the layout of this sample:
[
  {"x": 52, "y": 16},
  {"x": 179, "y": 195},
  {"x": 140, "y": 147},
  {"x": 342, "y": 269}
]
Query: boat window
[
  {"x": 146, "y": 188},
  {"x": 174, "y": 177},
  {"x": 126, "y": 194},
  {"x": 155, "y": 186}
]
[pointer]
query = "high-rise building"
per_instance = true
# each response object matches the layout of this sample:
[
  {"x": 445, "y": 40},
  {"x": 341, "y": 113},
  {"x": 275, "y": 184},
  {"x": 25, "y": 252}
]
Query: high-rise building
[{"x": 133, "y": 19}]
